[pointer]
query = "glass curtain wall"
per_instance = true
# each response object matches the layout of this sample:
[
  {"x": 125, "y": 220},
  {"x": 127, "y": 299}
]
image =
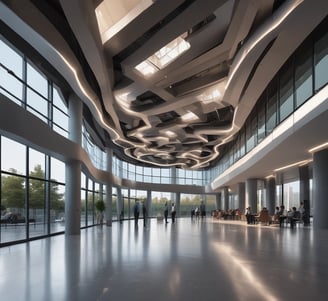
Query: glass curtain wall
[
  {"x": 90, "y": 193},
  {"x": 32, "y": 192},
  {"x": 303, "y": 75},
  {"x": 158, "y": 200}
]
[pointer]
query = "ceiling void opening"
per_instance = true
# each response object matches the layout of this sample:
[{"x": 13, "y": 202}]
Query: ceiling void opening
[
  {"x": 164, "y": 56},
  {"x": 113, "y": 16}
]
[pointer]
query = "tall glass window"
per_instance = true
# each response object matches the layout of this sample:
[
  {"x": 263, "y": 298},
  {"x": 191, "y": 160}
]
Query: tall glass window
[
  {"x": 303, "y": 75},
  {"x": 271, "y": 107},
  {"x": 321, "y": 62},
  {"x": 59, "y": 113},
  {"x": 261, "y": 121},
  {"x": 11, "y": 73},
  {"x": 57, "y": 196},
  {"x": 37, "y": 193},
  {"x": 251, "y": 133},
  {"x": 37, "y": 93},
  {"x": 84, "y": 192},
  {"x": 286, "y": 101},
  {"x": 158, "y": 201}
]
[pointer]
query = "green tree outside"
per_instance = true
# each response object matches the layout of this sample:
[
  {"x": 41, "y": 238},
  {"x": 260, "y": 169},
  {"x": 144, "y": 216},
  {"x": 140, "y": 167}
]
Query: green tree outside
[{"x": 13, "y": 191}]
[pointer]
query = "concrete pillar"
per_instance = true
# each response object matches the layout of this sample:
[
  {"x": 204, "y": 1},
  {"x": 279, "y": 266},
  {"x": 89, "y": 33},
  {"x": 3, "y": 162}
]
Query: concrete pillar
[
  {"x": 241, "y": 197},
  {"x": 129, "y": 204},
  {"x": 75, "y": 109},
  {"x": 119, "y": 201},
  {"x": 251, "y": 194},
  {"x": 270, "y": 185},
  {"x": 304, "y": 175},
  {"x": 109, "y": 189},
  {"x": 73, "y": 171},
  {"x": 177, "y": 202},
  {"x": 225, "y": 198},
  {"x": 304, "y": 182},
  {"x": 173, "y": 175},
  {"x": 73, "y": 198},
  {"x": 320, "y": 192},
  {"x": 218, "y": 201},
  {"x": 148, "y": 203}
]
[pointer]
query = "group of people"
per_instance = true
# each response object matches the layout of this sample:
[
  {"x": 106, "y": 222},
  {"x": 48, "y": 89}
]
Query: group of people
[
  {"x": 280, "y": 215},
  {"x": 136, "y": 212},
  {"x": 199, "y": 211},
  {"x": 292, "y": 215},
  {"x": 166, "y": 212}
]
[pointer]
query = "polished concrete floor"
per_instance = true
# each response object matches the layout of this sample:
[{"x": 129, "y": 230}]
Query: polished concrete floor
[{"x": 188, "y": 260}]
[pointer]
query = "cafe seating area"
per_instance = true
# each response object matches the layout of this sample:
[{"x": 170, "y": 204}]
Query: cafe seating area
[{"x": 261, "y": 218}]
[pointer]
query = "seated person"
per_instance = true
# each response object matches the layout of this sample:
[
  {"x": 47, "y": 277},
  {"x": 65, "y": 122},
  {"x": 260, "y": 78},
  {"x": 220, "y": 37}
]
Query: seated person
[
  {"x": 264, "y": 216},
  {"x": 293, "y": 216},
  {"x": 275, "y": 217}
]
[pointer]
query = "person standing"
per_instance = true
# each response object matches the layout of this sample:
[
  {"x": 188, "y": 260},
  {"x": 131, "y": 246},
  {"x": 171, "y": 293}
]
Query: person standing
[
  {"x": 202, "y": 209},
  {"x": 166, "y": 212},
  {"x": 144, "y": 214},
  {"x": 249, "y": 215},
  {"x": 173, "y": 213},
  {"x": 136, "y": 211}
]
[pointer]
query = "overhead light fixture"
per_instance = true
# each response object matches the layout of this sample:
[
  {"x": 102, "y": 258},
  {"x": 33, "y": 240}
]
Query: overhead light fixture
[
  {"x": 163, "y": 57},
  {"x": 269, "y": 177},
  {"x": 318, "y": 147},
  {"x": 300, "y": 163}
]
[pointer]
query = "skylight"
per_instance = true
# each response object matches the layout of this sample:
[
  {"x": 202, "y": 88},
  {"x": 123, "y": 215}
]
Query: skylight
[
  {"x": 164, "y": 56},
  {"x": 113, "y": 15}
]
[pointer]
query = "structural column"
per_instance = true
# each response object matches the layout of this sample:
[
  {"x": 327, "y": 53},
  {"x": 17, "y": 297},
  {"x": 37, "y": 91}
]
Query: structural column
[
  {"x": 177, "y": 203},
  {"x": 320, "y": 193},
  {"x": 225, "y": 198},
  {"x": 73, "y": 171},
  {"x": 119, "y": 202},
  {"x": 251, "y": 194},
  {"x": 241, "y": 197},
  {"x": 218, "y": 201},
  {"x": 270, "y": 196},
  {"x": 304, "y": 182},
  {"x": 109, "y": 189},
  {"x": 305, "y": 192},
  {"x": 73, "y": 198},
  {"x": 148, "y": 203}
]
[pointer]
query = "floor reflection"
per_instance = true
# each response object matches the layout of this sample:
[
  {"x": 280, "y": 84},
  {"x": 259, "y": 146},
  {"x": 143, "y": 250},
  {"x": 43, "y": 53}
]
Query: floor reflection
[{"x": 188, "y": 260}]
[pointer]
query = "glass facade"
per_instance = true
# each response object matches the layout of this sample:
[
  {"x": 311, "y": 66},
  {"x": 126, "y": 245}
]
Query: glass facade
[
  {"x": 32, "y": 197},
  {"x": 289, "y": 89}
]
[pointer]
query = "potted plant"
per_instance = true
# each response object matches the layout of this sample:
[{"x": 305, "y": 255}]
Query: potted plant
[{"x": 100, "y": 207}]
